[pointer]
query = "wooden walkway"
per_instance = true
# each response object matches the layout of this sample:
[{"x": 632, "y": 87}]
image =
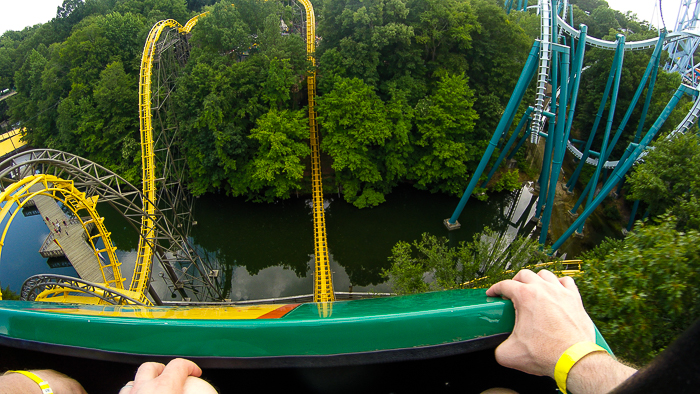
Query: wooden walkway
[{"x": 71, "y": 239}]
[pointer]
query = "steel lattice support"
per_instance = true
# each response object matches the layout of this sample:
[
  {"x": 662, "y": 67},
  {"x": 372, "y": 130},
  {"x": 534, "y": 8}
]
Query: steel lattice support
[
  {"x": 681, "y": 53},
  {"x": 187, "y": 271},
  {"x": 53, "y": 287},
  {"x": 164, "y": 169}
]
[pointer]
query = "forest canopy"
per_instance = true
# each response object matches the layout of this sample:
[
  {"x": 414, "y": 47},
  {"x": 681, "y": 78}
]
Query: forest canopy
[{"x": 408, "y": 90}]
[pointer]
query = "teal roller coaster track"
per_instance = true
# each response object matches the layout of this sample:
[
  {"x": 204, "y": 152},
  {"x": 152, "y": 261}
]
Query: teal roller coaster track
[{"x": 559, "y": 65}]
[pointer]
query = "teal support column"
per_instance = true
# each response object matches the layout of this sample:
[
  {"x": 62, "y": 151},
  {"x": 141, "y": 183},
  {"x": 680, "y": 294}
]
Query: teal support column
[
  {"x": 510, "y": 142},
  {"x": 528, "y": 131},
  {"x": 619, "y": 188},
  {"x": 577, "y": 49},
  {"x": 594, "y": 130},
  {"x": 628, "y": 152},
  {"x": 577, "y": 65},
  {"x": 571, "y": 16},
  {"x": 581, "y": 198},
  {"x": 652, "y": 62},
  {"x": 554, "y": 31},
  {"x": 619, "y": 56},
  {"x": 546, "y": 163},
  {"x": 559, "y": 144},
  {"x": 621, "y": 170},
  {"x": 635, "y": 207},
  {"x": 647, "y": 102},
  {"x": 503, "y": 125}
]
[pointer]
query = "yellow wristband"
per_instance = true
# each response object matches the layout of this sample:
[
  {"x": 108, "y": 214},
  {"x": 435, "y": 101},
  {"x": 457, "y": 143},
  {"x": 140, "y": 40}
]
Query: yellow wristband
[
  {"x": 43, "y": 385},
  {"x": 571, "y": 357}
]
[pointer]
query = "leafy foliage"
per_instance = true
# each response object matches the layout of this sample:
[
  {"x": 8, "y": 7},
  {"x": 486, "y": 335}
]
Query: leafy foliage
[
  {"x": 244, "y": 129},
  {"x": 410, "y": 89},
  {"x": 446, "y": 143},
  {"x": 669, "y": 179},
  {"x": 277, "y": 166},
  {"x": 642, "y": 292},
  {"x": 8, "y": 294},
  {"x": 430, "y": 264},
  {"x": 508, "y": 181},
  {"x": 367, "y": 139}
]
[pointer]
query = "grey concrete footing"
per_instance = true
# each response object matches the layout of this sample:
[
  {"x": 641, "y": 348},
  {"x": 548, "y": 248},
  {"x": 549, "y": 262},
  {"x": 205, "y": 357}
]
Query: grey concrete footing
[
  {"x": 451, "y": 226},
  {"x": 578, "y": 235},
  {"x": 624, "y": 232},
  {"x": 573, "y": 215}
]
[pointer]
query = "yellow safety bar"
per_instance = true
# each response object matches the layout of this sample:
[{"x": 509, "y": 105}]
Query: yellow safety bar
[
  {"x": 567, "y": 272},
  {"x": 65, "y": 192}
]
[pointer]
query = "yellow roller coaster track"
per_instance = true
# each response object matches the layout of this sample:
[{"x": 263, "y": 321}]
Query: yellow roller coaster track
[
  {"x": 64, "y": 191},
  {"x": 323, "y": 286},
  {"x": 323, "y": 279}
]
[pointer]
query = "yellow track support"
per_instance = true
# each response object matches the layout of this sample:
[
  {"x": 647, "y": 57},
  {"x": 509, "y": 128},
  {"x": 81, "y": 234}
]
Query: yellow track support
[
  {"x": 323, "y": 287},
  {"x": 72, "y": 296},
  {"x": 147, "y": 241},
  {"x": 323, "y": 279},
  {"x": 65, "y": 192}
]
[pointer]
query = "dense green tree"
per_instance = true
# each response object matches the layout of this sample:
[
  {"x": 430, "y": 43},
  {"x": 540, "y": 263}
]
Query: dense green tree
[
  {"x": 430, "y": 264},
  {"x": 365, "y": 35},
  {"x": 277, "y": 166},
  {"x": 642, "y": 292},
  {"x": 508, "y": 181},
  {"x": 669, "y": 179},
  {"x": 8, "y": 294},
  {"x": 222, "y": 31},
  {"x": 239, "y": 84},
  {"x": 589, "y": 5},
  {"x": 32, "y": 104},
  {"x": 447, "y": 148},
  {"x": 605, "y": 21},
  {"x": 56, "y": 103},
  {"x": 443, "y": 30},
  {"x": 424, "y": 71},
  {"x": 196, "y": 5},
  {"x": 499, "y": 49},
  {"x": 367, "y": 139},
  {"x": 155, "y": 10}
]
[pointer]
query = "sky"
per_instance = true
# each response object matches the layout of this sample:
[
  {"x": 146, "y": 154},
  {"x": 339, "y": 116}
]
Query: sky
[
  {"x": 647, "y": 10},
  {"x": 18, "y": 14}
]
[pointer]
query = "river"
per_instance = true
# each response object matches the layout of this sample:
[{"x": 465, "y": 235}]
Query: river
[{"x": 266, "y": 249}]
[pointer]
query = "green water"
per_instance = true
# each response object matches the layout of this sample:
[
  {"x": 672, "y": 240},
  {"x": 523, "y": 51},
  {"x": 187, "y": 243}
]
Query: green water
[{"x": 266, "y": 250}]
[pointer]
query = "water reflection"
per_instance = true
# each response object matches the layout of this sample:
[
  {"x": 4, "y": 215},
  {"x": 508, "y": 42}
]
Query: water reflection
[
  {"x": 20, "y": 252},
  {"x": 265, "y": 250}
]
